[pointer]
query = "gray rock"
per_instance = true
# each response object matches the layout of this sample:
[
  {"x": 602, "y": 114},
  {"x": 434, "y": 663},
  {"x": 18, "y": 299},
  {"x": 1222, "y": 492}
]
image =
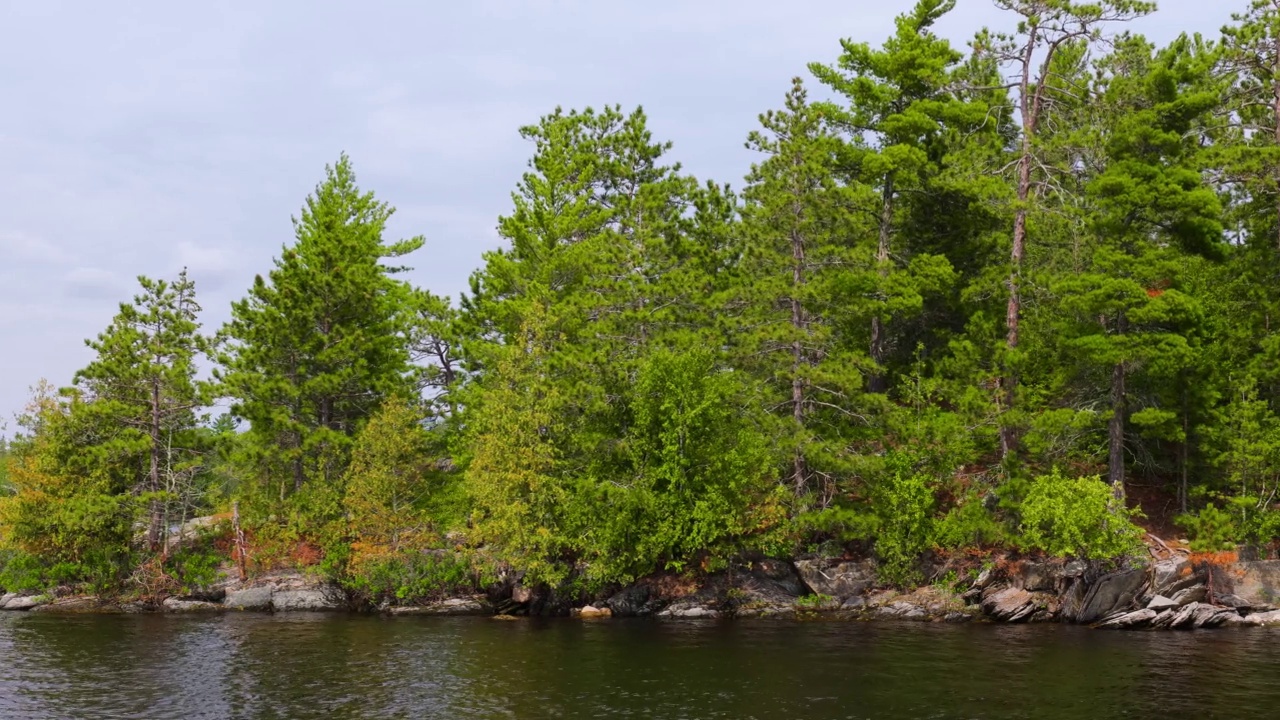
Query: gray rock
[
  {"x": 1131, "y": 620},
  {"x": 1189, "y": 595},
  {"x": 1111, "y": 594},
  {"x": 451, "y": 606},
  {"x": 635, "y": 600},
  {"x": 836, "y": 579},
  {"x": 1160, "y": 603},
  {"x": 1009, "y": 604},
  {"x": 1255, "y": 585},
  {"x": 1261, "y": 619},
  {"x": 1168, "y": 577},
  {"x": 26, "y": 602},
  {"x": 321, "y": 598},
  {"x": 1200, "y": 615},
  {"x": 179, "y": 605},
  {"x": 1040, "y": 577},
  {"x": 686, "y": 609},
  {"x": 252, "y": 598},
  {"x": 77, "y": 605}
]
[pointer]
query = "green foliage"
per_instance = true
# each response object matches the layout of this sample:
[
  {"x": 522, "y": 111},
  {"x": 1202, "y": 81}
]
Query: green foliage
[
  {"x": 1077, "y": 517},
  {"x": 1211, "y": 529},
  {"x": 412, "y": 577},
  {"x": 904, "y": 502},
  {"x": 970, "y": 524}
]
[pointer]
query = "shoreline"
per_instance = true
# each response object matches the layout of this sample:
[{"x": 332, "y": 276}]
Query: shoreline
[{"x": 1178, "y": 593}]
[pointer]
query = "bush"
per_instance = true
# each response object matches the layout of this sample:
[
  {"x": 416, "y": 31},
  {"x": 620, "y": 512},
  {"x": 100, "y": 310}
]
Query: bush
[
  {"x": 904, "y": 503},
  {"x": 1079, "y": 517},
  {"x": 970, "y": 524},
  {"x": 412, "y": 576}
]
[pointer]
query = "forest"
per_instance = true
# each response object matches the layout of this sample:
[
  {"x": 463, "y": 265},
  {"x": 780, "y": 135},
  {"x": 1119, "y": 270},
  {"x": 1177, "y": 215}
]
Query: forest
[{"x": 1016, "y": 295}]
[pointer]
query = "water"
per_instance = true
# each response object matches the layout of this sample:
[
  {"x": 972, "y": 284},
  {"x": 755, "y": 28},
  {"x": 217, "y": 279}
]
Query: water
[{"x": 327, "y": 666}]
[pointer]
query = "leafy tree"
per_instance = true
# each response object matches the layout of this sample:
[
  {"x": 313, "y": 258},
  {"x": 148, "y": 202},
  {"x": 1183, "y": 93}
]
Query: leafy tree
[{"x": 318, "y": 345}]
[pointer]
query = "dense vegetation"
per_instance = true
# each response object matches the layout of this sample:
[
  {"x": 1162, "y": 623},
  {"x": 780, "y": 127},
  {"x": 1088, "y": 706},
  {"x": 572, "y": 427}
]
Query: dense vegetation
[{"x": 964, "y": 301}]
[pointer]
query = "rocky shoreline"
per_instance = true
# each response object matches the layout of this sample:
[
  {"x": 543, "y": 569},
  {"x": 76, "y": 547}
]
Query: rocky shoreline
[{"x": 1180, "y": 592}]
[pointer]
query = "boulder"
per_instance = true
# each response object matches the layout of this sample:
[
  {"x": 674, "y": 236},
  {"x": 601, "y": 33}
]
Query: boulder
[
  {"x": 591, "y": 611},
  {"x": 76, "y": 606},
  {"x": 635, "y": 600},
  {"x": 1254, "y": 585},
  {"x": 1168, "y": 577},
  {"x": 1193, "y": 594},
  {"x": 688, "y": 609},
  {"x": 1039, "y": 576},
  {"x": 1261, "y": 619},
  {"x": 179, "y": 605},
  {"x": 451, "y": 606},
  {"x": 1110, "y": 594},
  {"x": 25, "y": 602},
  {"x": 1130, "y": 620},
  {"x": 1009, "y": 604},
  {"x": 251, "y": 598},
  {"x": 1160, "y": 603},
  {"x": 319, "y": 598},
  {"x": 838, "y": 579},
  {"x": 1199, "y": 615}
]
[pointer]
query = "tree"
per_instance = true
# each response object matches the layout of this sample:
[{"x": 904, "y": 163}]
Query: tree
[
  {"x": 900, "y": 109},
  {"x": 1149, "y": 206},
  {"x": 802, "y": 278},
  {"x": 319, "y": 344},
  {"x": 1046, "y": 30},
  {"x": 144, "y": 377}
]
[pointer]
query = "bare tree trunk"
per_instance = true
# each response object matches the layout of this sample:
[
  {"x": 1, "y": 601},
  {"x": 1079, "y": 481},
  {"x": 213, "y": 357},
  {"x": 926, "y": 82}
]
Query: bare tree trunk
[
  {"x": 1115, "y": 429},
  {"x": 878, "y": 382},
  {"x": 1013, "y": 312},
  {"x": 156, "y": 507},
  {"x": 799, "y": 479},
  {"x": 1185, "y": 451},
  {"x": 241, "y": 545},
  {"x": 1275, "y": 92}
]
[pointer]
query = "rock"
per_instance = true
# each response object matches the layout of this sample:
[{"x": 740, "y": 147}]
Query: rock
[
  {"x": 1168, "y": 577},
  {"x": 1255, "y": 585},
  {"x": 76, "y": 606},
  {"x": 179, "y": 605},
  {"x": 591, "y": 611},
  {"x": 1131, "y": 620},
  {"x": 1110, "y": 594},
  {"x": 25, "y": 602},
  {"x": 1039, "y": 577},
  {"x": 634, "y": 600},
  {"x": 522, "y": 594},
  {"x": 1200, "y": 615},
  {"x": 1009, "y": 605},
  {"x": 1194, "y": 594},
  {"x": 452, "y": 606},
  {"x": 1160, "y": 603},
  {"x": 252, "y": 598},
  {"x": 764, "y": 610},
  {"x": 836, "y": 579},
  {"x": 686, "y": 609},
  {"x": 1271, "y": 617},
  {"x": 321, "y": 598}
]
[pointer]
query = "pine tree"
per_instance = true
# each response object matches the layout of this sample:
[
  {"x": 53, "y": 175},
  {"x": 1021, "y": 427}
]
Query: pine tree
[
  {"x": 900, "y": 109},
  {"x": 803, "y": 280},
  {"x": 144, "y": 377},
  {"x": 1046, "y": 29},
  {"x": 318, "y": 345}
]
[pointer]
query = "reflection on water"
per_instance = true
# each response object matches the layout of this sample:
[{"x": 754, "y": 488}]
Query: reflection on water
[{"x": 323, "y": 666}]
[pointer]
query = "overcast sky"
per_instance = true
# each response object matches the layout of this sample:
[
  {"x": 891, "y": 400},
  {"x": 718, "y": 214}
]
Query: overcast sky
[{"x": 139, "y": 137}]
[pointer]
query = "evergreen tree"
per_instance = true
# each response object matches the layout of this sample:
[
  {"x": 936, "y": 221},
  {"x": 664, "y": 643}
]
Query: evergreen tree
[
  {"x": 144, "y": 378},
  {"x": 318, "y": 345}
]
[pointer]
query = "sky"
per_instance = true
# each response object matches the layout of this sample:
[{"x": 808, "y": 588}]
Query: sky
[{"x": 148, "y": 136}]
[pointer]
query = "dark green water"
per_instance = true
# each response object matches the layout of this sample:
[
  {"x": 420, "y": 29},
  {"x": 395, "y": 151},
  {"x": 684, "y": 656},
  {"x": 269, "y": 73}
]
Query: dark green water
[{"x": 318, "y": 666}]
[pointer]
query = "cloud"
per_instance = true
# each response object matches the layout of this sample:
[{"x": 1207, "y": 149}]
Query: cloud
[
  {"x": 17, "y": 246},
  {"x": 91, "y": 283},
  {"x": 211, "y": 267}
]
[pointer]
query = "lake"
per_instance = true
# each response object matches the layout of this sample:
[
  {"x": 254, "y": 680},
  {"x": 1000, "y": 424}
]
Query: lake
[{"x": 340, "y": 666}]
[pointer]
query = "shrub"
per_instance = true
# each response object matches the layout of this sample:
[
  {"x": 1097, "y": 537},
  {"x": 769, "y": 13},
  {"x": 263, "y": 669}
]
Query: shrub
[
  {"x": 904, "y": 502},
  {"x": 1077, "y": 516}
]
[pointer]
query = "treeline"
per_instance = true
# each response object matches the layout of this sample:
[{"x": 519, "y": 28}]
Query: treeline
[{"x": 961, "y": 302}]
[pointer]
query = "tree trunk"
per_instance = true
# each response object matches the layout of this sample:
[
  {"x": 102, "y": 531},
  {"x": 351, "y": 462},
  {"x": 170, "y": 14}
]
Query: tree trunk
[
  {"x": 878, "y": 382},
  {"x": 797, "y": 355},
  {"x": 1115, "y": 429},
  {"x": 1008, "y": 434},
  {"x": 153, "y": 475}
]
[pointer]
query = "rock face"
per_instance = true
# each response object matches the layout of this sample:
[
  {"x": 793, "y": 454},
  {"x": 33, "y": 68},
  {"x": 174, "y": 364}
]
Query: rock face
[
  {"x": 77, "y": 605},
  {"x": 837, "y": 579},
  {"x": 178, "y": 605},
  {"x": 306, "y": 599},
  {"x": 688, "y": 609},
  {"x": 1111, "y": 593},
  {"x": 452, "y": 606},
  {"x": 1254, "y": 586},
  {"x": 24, "y": 602},
  {"x": 250, "y": 598}
]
